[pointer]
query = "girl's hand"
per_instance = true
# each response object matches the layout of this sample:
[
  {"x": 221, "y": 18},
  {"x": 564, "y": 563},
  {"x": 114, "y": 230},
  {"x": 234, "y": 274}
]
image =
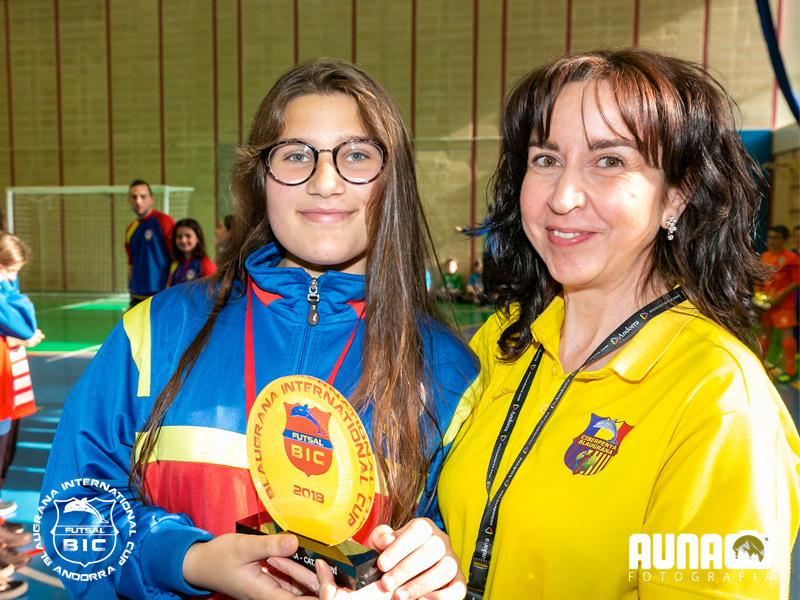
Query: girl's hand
[
  {"x": 29, "y": 343},
  {"x": 231, "y": 564},
  {"x": 417, "y": 561}
]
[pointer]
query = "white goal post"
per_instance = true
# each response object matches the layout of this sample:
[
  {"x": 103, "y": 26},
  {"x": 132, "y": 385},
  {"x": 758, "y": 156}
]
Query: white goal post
[
  {"x": 87, "y": 189},
  {"x": 77, "y": 233}
]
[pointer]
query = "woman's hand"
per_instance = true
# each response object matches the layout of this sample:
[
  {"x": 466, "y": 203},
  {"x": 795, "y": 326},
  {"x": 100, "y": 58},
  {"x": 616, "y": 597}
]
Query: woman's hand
[
  {"x": 417, "y": 561},
  {"x": 231, "y": 564}
]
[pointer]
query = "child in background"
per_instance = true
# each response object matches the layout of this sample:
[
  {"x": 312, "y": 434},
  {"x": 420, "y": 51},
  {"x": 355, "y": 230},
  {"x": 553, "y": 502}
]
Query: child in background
[
  {"x": 476, "y": 291},
  {"x": 221, "y": 234},
  {"x": 17, "y": 331},
  {"x": 781, "y": 290},
  {"x": 190, "y": 260},
  {"x": 451, "y": 281}
]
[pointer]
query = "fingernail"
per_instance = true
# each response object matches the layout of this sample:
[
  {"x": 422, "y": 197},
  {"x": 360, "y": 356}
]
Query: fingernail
[
  {"x": 271, "y": 563},
  {"x": 401, "y": 595},
  {"x": 387, "y": 581},
  {"x": 287, "y": 544}
]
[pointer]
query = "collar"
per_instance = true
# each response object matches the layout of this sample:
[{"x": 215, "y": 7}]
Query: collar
[
  {"x": 338, "y": 292},
  {"x": 637, "y": 357}
]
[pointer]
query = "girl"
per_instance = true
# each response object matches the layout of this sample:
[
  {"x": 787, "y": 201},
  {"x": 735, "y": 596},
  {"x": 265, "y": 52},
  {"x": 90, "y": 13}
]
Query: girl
[
  {"x": 328, "y": 228},
  {"x": 190, "y": 260},
  {"x": 17, "y": 330},
  {"x": 221, "y": 234}
]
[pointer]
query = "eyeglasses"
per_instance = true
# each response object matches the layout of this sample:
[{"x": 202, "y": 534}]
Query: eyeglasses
[{"x": 293, "y": 162}]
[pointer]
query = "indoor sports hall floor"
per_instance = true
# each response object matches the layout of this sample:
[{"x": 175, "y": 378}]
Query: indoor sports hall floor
[{"x": 75, "y": 327}]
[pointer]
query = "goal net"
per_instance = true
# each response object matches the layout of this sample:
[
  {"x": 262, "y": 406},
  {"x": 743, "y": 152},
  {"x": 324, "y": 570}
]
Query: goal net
[{"x": 77, "y": 234}]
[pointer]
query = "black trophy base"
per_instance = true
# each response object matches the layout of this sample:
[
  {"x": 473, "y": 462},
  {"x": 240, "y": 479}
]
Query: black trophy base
[{"x": 353, "y": 565}]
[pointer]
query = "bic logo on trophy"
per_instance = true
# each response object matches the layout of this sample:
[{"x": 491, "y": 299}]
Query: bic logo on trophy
[
  {"x": 308, "y": 446},
  {"x": 85, "y": 538}
]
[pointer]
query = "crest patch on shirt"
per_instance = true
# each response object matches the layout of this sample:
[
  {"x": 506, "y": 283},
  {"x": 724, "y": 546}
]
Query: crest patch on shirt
[
  {"x": 593, "y": 449},
  {"x": 148, "y": 234}
]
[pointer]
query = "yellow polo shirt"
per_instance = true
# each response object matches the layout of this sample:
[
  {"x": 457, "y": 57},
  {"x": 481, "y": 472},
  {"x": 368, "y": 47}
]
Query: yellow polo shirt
[{"x": 681, "y": 433}]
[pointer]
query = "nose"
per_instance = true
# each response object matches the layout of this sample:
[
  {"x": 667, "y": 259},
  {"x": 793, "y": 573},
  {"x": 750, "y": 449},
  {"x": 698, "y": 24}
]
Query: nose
[
  {"x": 326, "y": 180},
  {"x": 569, "y": 191}
]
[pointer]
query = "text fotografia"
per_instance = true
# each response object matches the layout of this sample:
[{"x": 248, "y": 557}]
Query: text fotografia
[{"x": 85, "y": 533}]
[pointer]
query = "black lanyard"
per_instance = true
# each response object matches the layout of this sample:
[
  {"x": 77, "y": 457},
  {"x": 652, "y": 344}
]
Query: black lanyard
[{"x": 479, "y": 569}]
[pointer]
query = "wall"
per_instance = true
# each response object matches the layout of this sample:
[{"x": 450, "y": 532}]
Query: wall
[{"x": 98, "y": 92}]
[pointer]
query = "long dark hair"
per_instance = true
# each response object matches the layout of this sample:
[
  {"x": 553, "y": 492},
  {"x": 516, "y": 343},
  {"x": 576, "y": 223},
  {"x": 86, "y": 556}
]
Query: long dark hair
[
  {"x": 394, "y": 377},
  {"x": 199, "y": 251},
  {"x": 683, "y": 122}
]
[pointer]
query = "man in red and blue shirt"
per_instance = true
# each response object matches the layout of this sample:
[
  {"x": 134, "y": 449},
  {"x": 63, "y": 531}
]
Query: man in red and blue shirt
[{"x": 147, "y": 241}]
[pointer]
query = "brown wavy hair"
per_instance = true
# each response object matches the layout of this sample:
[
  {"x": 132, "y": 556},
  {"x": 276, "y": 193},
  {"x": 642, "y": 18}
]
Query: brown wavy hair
[
  {"x": 12, "y": 250},
  {"x": 682, "y": 121},
  {"x": 395, "y": 379}
]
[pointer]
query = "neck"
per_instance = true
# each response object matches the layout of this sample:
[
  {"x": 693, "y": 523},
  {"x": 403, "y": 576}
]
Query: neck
[
  {"x": 590, "y": 316},
  {"x": 187, "y": 255}
]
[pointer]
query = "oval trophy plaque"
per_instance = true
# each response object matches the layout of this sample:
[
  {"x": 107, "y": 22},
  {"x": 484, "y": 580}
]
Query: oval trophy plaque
[{"x": 311, "y": 462}]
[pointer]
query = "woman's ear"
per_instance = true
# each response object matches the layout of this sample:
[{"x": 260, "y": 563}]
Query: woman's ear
[{"x": 676, "y": 203}]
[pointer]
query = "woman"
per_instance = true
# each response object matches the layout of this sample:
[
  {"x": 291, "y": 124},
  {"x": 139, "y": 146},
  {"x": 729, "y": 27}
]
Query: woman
[
  {"x": 624, "y": 266},
  {"x": 328, "y": 227},
  {"x": 189, "y": 258}
]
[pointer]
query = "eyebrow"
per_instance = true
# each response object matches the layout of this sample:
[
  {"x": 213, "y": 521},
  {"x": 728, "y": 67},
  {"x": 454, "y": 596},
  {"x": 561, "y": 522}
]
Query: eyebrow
[{"x": 602, "y": 144}]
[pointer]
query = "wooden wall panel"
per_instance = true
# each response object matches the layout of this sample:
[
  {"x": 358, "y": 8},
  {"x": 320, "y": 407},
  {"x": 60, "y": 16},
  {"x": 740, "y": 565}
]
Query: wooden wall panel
[
  {"x": 601, "y": 24},
  {"x": 135, "y": 91},
  {"x": 737, "y": 52},
  {"x": 6, "y": 133},
  {"x": 536, "y": 33},
  {"x": 384, "y": 47},
  {"x": 87, "y": 91},
  {"x": 189, "y": 104},
  {"x": 676, "y": 27},
  {"x": 267, "y": 50},
  {"x": 325, "y": 29}
]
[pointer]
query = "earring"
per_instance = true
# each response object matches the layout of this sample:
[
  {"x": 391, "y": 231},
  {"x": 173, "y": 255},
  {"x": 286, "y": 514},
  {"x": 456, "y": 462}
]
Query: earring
[{"x": 672, "y": 223}]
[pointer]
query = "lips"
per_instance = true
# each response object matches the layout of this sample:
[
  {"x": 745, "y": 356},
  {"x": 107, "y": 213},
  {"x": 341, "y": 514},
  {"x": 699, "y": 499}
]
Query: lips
[
  {"x": 326, "y": 215},
  {"x": 567, "y": 236}
]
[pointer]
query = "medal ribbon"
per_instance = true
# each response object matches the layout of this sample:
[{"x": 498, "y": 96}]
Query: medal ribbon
[
  {"x": 479, "y": 569},
  {"x": 249, "y": 354}
]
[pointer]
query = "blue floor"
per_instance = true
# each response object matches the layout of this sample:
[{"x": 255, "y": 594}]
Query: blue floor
[{"x": 53, "y": 376}]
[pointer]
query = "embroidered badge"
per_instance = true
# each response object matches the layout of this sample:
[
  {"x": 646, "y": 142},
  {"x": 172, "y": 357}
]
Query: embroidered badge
[
  {"x": 148, "y": 235},
  {"x": 593, "y": 449}
]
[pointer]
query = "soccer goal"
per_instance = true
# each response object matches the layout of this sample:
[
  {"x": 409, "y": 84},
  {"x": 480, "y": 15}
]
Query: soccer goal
[{"x": 77, "y": 234}]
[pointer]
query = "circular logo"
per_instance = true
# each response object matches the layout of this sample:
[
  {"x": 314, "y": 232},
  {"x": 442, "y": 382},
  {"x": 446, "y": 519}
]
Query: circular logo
[
  {"x": 310, "y": 459},
  {"x": 190, "y": 274},
  {"x": 81, "y": 519},
  {"x": 148, "y": 235}
]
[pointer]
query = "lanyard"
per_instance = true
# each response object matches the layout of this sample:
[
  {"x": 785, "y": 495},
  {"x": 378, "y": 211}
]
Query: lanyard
[
  {"x": 479, "y": 569},
  {"x": 249, "y": 353}
]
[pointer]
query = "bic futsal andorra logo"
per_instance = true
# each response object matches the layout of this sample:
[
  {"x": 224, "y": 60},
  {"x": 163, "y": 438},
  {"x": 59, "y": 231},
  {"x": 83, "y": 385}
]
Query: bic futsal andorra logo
[
  {"x": 306, "y": 440},
  {"x": 593, "y": 449},
  {"x": 84, "y": 533}
]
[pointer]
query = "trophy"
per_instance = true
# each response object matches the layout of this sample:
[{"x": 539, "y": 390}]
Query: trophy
[{"x": 311, "y": 461}]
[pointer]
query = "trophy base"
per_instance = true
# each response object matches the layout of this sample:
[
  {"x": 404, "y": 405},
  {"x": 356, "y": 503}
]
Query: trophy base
[{"x": 353, "y": 565}]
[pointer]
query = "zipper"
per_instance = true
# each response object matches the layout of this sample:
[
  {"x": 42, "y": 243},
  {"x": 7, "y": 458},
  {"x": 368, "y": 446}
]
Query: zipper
[{"x": 313, "y": 300}]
